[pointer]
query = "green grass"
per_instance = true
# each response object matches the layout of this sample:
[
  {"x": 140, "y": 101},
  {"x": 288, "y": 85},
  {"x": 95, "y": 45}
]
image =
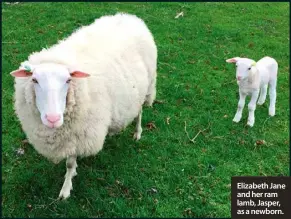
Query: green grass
[{"x": 195, "y": 85}]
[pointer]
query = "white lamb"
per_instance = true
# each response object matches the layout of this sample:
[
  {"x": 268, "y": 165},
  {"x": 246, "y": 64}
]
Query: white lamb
[
  {"x": 251, "y": 78},
  {"x": 64, "y": 112}
]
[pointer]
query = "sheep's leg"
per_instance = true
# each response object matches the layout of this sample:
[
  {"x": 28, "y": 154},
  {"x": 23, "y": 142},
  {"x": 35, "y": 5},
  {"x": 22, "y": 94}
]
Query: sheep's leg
[
  {"x": 138, "y": 128},
  {"x": 71, "y": 165},
  {"x": 252, "y": 108},
  {"x": 263, "y": 94},
  {"x": 240, "y": 107},
  {"x": 151, "y": 96},
  {"x": 273, "y": 94}
]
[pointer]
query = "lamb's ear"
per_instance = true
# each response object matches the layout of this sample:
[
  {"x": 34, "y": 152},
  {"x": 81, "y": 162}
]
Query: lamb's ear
[
  {"x": 233, "y": 60},
  {"x": 21, "y": 73},
  {"x": 79, "y": 74},
  {"x": 253, "y": 77}
]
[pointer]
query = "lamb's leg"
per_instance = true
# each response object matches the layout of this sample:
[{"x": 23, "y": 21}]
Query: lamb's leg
[
  {"x": 263, "y": 94},
  {"x": 71, "y": 165},
  {"x": 273, "y": 94},
  {"x": 138, "y": 128},
  {"x": 240, "y": 107},
  {"x": 252, "y": 108}
]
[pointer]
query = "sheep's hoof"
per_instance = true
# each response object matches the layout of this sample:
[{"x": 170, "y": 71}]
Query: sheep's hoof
[
  {"x": 110, "y": 134},
  {"x": 150, "y": 105},
  {"x": 64, "y": 194},
  {"x": 137, "y": 136},
  {"x": 65, "y": 191}
]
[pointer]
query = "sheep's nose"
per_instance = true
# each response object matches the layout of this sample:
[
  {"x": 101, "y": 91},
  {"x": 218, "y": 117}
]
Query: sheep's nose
[
  {"x": 238, "y": 78},
  {"x": 52, "y": 117}
]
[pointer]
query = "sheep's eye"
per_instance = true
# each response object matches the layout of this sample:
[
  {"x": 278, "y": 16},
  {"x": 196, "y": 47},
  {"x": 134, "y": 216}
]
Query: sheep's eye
[
  {"x": 249, "y": 68},
  {"x": 68, "y": 81},
  {"x": 34, "y": 81}
]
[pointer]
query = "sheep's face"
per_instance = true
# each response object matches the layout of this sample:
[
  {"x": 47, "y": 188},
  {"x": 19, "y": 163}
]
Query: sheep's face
[
  {"x": 243, "y": 67},
  {"x": 51, "y": 83}
]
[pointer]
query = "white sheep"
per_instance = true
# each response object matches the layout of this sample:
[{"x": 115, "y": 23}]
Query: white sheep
[
  {"x": 94, "y": 83},
  {"x": 253, "y": 78}
]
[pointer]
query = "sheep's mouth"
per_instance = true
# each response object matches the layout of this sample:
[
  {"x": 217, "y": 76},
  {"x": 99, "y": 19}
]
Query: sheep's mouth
[{"x": 52, "y": 124}]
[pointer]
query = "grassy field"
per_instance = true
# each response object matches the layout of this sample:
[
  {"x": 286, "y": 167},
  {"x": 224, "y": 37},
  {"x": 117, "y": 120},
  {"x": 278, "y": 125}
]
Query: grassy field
[{"x": 164, "y": 174}]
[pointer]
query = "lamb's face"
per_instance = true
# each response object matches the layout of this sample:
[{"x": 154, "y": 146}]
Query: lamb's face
[
  {"x": 243, "y": 67},
  {"x": 51, "y": 83}
]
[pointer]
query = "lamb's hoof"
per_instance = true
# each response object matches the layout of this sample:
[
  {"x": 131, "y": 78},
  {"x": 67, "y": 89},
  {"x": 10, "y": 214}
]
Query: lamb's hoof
[
  {"x": 236, "y": 119},
  {"x": 250, "y": 123},
  {"x": 271, "y": 112},
  {"x": 260, "y": 102},
  {"x": 137, "y": 136}
]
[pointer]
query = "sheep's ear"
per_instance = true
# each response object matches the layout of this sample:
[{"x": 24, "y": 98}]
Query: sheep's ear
[
  {"x": 21, "y": 73},
  {"x": 79, "y": 74},
  {"x": 233, "y": 60}
]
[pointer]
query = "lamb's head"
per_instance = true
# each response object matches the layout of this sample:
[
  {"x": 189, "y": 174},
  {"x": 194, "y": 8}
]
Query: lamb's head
[
  {"x": 245, "y": 68},
  {"x": 51, "y": 83}
]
